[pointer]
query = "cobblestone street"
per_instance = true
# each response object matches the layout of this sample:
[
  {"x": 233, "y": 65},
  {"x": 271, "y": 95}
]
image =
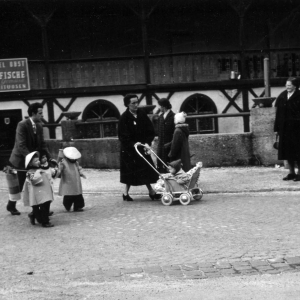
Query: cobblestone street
[
  {"x": 111, "y": 234},
  {"x": 223, "y": 235}
]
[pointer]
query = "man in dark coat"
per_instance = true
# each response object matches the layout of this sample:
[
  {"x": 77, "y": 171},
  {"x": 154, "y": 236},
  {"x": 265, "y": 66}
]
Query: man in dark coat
[
  {"x": 135, "y": 127},
  {"x": 166, "y": 129},
  {"x": 29, "y": 138},
  {"x": 287, "y": 125},
  {"x": 180, "y": 144}
]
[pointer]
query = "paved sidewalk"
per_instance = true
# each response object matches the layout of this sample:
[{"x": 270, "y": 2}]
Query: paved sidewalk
[{"x": 212, "y": 180}]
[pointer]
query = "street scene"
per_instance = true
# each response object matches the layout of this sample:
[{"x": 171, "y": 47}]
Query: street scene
[
  {"x": 150, "y": 150},
  {"x": 241, "y": 238}
]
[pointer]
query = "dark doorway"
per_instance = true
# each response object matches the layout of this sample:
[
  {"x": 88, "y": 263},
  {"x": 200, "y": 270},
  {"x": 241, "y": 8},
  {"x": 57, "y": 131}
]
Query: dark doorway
[{"x": 9, "y": 120}]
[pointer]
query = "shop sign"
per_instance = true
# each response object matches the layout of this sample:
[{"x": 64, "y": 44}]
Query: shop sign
[{"x": 14, "y": 75}]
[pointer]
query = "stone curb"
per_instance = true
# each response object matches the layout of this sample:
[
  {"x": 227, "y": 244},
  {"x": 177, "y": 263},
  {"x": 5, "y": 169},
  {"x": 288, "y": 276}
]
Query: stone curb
[
  {"x": 192, "y": 271},
  {"x": 114, "y": 192}
]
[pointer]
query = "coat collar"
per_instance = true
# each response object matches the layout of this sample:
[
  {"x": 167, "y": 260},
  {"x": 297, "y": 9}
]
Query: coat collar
[
  {"x": 130, "y": 115},
  {"x": 295, "y": 94},
  {"x": 29, "y": 126},
  {"x": 170, "y": 115}
]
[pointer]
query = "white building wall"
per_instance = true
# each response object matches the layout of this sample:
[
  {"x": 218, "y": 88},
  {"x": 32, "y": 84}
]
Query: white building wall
[{"x": 226, "y": 125}]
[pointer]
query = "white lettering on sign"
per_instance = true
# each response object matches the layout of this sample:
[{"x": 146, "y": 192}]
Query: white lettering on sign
[
  {"x": 12, "y": 86},
  {"x": 17, "y": 63},
  {"x": 14, "y": 74},
  {"x": 2, "y": 64}
]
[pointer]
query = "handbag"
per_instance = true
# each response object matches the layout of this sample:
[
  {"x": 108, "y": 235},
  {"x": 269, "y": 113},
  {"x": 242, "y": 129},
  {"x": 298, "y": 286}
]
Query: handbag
[{"x": 276, "y": 144}]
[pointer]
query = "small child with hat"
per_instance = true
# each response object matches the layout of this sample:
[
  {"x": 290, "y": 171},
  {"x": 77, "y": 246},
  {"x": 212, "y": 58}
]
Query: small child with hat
[
  {"x": 70, "y": 184},
  {"x": 49, "y": 167},
  {"x": 38, "y": 190},
  {"x": 175, "y": 172},
  {"x": 179, "y": 147}
]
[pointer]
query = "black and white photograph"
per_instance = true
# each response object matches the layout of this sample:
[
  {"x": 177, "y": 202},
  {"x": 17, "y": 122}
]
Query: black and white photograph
[{"x": 150, "y": 150}]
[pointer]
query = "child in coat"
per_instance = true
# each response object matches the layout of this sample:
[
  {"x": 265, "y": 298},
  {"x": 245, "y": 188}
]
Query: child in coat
[
  {"x": 49, "y": 169},
  {"x": 38, "y": 190},
  {"x": 70, "y": 184},
  {"x": 175, "y": 172}
]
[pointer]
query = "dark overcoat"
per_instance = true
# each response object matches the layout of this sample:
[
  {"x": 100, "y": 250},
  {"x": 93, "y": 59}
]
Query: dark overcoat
[
  {"x": 26, "y": 142},
  {"x": 287, "y": 124},
  {"x": 166, "y": 129},
  {"x": 180, "y": 146},
  {"x": 134, "y": 170}
]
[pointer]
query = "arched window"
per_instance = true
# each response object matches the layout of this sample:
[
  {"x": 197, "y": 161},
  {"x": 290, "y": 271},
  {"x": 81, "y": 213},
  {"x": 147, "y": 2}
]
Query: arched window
[
  {"x": 199, "y": 104},
  {"x": 100, "y": 110}
]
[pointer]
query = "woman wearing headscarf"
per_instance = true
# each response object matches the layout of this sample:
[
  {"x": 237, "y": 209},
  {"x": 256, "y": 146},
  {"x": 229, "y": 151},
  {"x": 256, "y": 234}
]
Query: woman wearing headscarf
[
  {"x": 166, "y": 129},
  {"x": 180, "y": 143},
  {"x": 135, "y": 127},
  {"x": 287, "y": 126}
]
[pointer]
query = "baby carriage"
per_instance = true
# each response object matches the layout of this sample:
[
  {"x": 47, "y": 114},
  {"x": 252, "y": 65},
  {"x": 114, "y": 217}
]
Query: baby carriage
[{"x": 173, "y": 190}]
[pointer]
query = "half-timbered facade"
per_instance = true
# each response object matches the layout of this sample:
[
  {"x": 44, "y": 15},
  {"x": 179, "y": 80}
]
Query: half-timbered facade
[{"x": 85, "y": 55}]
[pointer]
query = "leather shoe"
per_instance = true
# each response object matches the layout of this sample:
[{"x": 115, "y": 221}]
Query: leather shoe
[
  {"x": 11, "y": 207},
  {"x": 155, "y": 196},
  {"x": 289, "y": 177},
  {"x": 297, "y": 178},
  {"x": 47, "y": 225},
  {"x": 31, "y": 218},
  {"x": 127, "y": 198},
  {"x": 14, "y": 212},
  {"x": 78, "y": 209}
]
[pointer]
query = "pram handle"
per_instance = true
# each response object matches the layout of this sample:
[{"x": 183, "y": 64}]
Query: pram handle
[{"x": 148, "y": 148}]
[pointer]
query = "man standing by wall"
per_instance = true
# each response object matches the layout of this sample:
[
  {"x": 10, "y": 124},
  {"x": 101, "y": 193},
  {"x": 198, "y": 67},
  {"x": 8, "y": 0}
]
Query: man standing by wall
[{"x": 29, "y": 138}]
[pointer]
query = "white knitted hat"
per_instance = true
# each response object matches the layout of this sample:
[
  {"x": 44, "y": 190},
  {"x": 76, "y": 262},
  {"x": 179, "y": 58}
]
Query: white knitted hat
[
  {"x": 180, "y": 117},
  {"x": 71, "y": 153},
  {"x": 29, "y": 157}
]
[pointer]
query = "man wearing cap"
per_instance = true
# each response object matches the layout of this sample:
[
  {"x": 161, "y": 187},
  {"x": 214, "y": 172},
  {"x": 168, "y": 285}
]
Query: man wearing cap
[{"x": 29, "y": 138}]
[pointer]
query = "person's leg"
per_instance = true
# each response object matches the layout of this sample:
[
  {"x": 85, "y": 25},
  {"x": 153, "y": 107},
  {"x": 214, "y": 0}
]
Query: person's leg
[
  {"x": 15, "y": 184},
  {"x": 291, "y": 166},
  {"x": 297, "y": 178},
  {"x": 35, "y": 214},
  {"x": 68, "y": 202},
  {"x": 126, "y": 196},
  {"x": 45, "y": 214},
  {"x": 292, "y": 174},
  {"x": 152, "y": 193},
  {"x": 47, "y": 204},
  {"x": 78, "y": 203}
]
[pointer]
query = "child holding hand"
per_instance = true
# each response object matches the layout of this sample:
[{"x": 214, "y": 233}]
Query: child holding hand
[
  {"x": 50, "y": 170},
  {"x": 38, "y": 190},
  {"x": 70, "y": 184}
]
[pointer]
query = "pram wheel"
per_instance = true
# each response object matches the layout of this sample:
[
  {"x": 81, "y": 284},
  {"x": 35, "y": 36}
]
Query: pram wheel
[
  {"x": 185, "y": 199},
  {"x": 167, "y": 199}
]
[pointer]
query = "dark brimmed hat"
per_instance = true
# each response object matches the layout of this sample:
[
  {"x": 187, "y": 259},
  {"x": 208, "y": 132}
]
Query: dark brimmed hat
[{"x": 176, "y": 164}]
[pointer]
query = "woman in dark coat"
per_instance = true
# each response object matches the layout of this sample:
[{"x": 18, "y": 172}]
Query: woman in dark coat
[
  {"x": 180, "y": 144},
  {"x": 287, "y": 125},
  {"x": 166, "y": 129},
  {"x": 135, "y": 127}
]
